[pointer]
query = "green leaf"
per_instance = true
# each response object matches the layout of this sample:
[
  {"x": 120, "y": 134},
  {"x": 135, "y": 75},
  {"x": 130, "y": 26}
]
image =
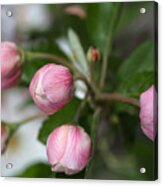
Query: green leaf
[
  {"x": 64, "y": 116},
  {"x": 78, "y": 51},
  {"x": 136, "y": 74},
  {"x": 142, "y": 59},
  {"x": 137, "y": 83},
  {"x": 100, "y": 22},
  {"x": 39, "y": 170}
]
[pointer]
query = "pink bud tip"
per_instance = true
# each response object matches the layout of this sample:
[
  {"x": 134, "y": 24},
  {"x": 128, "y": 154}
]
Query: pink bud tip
[
  {"x": 4, "y": 135},
  {"x": 68, "y": 149},
  {"x": 148, "y": 112},
  {"x": 75, "y": 10},
  {"x": 51, "y": 88},
  {"x": 93, "y": 54},
  {"x": 10, "y": 65}
]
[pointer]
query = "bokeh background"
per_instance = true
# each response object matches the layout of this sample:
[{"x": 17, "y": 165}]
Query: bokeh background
[{"x": 121, "y": 148}]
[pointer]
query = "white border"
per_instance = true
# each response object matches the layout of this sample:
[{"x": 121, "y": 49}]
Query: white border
[
  {"x": 52, "y": 182},
  {"x": 59, "y": 1}
]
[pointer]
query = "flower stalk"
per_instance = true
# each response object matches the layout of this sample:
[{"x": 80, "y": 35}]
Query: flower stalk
[
  {"x": 11, "y": 128},
  {"x": 32, "y": 55},
  {"x": 117, "y": 97}
]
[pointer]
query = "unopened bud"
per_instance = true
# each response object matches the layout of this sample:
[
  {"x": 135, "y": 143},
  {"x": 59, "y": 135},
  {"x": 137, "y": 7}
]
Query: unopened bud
[
  {"x": 11, "y": 65},
  {"x": 68, "y": 149},
  {"x": 148, "y": 112},
  {"x": 51, "y": 88},
  {"x": 93, "y": 54}
]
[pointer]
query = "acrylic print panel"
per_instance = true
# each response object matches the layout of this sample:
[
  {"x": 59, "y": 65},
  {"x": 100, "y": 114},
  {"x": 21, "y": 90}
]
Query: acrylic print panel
[{"x": 79, "y": 91}]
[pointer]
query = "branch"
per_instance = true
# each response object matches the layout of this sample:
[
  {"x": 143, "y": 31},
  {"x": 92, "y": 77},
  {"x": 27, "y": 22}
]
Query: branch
[
  {"x": 117, "y": 97},
  {"x": 55, "y": 58},
  {"x": 13, "y": 126},
  {"x": 31, "y": 118}
]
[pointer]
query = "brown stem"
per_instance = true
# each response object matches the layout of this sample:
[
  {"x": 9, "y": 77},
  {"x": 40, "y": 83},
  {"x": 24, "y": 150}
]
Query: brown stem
[
  {"x": 118, "y": 97},
  {"x": 12, "y": 127},
  {"x": 91, "y": 89},
  {"x": 57, "y": 59},
  {"x": 60, "y": 60},
  {"x": 53, "y": 57},
  {"x": 37, "y": 116}
]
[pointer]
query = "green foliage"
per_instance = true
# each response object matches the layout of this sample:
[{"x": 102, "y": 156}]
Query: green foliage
[
  {"x": 100, "y": 22},
  {"x": 111, "y": 80},
  {"x": 39, "y": 170},
  {"x": 42, "y": 170},
  {"x": 64, "y": 116},
  {"x": 79, "y": 56},
  {"x": 137, "y": 83},
  {"x": 86, "y": 117},
  {"x": 136, "y": 74},
  {"x": 93, "y": 135},
  {"x": 30, "y": 67},
  {"x": 139, "y": 61}
]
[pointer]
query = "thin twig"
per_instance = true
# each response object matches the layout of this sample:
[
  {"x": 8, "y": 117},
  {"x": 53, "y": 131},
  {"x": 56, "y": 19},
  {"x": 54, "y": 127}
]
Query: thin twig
[
  {"x": 108, "y": 47},
  {"x": 52, "y": 57},
  {"x": 31, "y": 118},
  {"x": 59, "y": 60},
  {"x": 81, "y": 107},
  {"x": 118, "y": 97},
  {"x": 12, "y": 127}
]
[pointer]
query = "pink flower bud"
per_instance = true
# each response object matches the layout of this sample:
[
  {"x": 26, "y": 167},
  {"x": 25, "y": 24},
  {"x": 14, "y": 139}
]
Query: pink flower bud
[
  {"x": 4, "y": 136},
  {"x": 51, "y": 88},
  {"x": 10, "y": 65},
  {"x": 148, "y": 112},
  {"x": 93, "y": 54},
  {"x": 68, "y": 149},
  {"x": 75, "y": 10}
]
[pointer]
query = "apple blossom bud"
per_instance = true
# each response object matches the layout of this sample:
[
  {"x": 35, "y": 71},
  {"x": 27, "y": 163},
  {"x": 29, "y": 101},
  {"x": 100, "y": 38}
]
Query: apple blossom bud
[
  {"x": 75, "y": 10},
  {"x": 148, "y": 112},
  {"x": 68, "y": 149},
  {"x": 11, "y": 66},
  {"x": 51, "y": 88},
  {"x": 93, "y": 54},
  {"x": 4, "y": 136}
]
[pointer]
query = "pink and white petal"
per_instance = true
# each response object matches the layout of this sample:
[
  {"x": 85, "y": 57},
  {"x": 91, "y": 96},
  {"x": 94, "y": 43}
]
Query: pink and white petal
[
  {"x": 77, "y": 151},
  {"x": 56, "y": 144}
]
